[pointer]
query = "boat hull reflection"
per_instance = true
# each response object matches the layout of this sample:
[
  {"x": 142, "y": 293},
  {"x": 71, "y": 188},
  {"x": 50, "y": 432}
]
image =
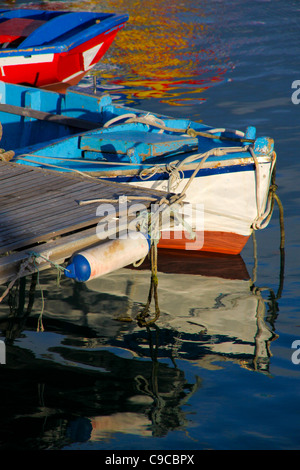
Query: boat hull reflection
[{"x": 209, "y": 310}]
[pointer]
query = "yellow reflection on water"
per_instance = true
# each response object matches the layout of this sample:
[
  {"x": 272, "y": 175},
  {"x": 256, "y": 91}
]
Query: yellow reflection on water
[{"x": 166, "y": 51}]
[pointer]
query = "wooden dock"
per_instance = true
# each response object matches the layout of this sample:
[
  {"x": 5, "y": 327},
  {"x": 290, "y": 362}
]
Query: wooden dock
[{"x": 40, "y": 213}]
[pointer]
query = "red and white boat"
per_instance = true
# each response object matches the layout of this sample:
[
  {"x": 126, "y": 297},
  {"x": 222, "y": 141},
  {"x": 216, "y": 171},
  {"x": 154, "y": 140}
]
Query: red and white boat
[{"x": 53, "y": 49}]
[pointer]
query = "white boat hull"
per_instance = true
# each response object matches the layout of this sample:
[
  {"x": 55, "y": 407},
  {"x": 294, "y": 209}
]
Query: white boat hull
[{"x": 227, "y": 203}]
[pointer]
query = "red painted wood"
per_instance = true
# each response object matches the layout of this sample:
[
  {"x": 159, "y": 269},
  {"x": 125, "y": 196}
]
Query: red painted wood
[
  {"x": 65, "y": 70},
  {"x": 209, "y": 241},
  {"x": 15, "y": 28}
]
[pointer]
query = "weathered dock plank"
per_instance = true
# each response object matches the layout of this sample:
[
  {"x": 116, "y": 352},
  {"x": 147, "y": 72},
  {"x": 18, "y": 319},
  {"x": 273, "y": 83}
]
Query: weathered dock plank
[{"x": 39, "y": 211}]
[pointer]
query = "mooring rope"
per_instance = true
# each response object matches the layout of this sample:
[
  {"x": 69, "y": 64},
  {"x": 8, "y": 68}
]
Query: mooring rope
[
  {"x": 257, "y": 290},
  {"x": 153, "y": 222},
  {"x": 21, "y": 272},
  {"x": 176, "y": 175},
  {"x": 154, "y": 121},
  {"x": 40, "y": 326},
  {"x": 263, "y": 218},
  {"x": 6, "y": 155},
  {"x": 141, "y": 318},
  {"x": 28, "y": 266}
]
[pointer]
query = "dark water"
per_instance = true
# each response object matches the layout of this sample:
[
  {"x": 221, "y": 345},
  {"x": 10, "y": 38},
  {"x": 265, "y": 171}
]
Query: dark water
[{"x": 217, "y": 371}]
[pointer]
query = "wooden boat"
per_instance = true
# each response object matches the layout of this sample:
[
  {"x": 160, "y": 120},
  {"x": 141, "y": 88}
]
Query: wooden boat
[
  {"x": 53, "y": 49},
  {"x": 225, "y": 175}
]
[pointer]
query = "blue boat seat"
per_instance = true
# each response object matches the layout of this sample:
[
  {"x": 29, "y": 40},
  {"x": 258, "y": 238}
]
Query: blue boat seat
[{"x": 137, "y": 146}]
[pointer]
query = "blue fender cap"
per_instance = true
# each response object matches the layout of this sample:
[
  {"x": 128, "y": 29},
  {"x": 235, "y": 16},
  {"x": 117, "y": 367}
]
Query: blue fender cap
[{"x": 79, "y": 269}]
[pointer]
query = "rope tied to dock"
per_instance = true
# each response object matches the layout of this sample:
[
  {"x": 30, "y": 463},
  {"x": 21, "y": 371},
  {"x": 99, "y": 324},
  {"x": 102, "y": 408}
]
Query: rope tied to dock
[
  {"x": 60, "y": 269},
  {"x": 30, "y": 266},
  {"x": 263, "y": 217},
  {"x": 22, "y": 272},
  {"x": 6, "y": 155},
  {"x": 153, "y": 291},
  {"x": 152, "y": 221}
]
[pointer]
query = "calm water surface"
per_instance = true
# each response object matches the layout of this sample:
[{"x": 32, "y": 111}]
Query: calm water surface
[{"x": 216, "y": 372}]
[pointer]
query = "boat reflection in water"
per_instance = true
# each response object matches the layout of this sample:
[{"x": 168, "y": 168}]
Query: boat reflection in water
[
  {"x": 209, "y": 311},
  {"x": 97, "y": 377}
]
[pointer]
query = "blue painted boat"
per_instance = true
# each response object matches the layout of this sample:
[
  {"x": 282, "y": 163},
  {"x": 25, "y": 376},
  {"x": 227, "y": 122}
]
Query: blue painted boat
[
  {"x": 224, "y": 175},
  {"x": 53, "y": 49}
]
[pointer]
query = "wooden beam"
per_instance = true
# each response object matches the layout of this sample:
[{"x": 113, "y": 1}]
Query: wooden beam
[
  {"x": 43, "y": 116},
  {"x": 56, "y": 251}
]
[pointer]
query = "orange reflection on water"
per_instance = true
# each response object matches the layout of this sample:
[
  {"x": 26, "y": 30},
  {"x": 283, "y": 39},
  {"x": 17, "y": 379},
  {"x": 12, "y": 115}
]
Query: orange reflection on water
[
  {"x": 168, "y": 50},
  {"x": 165, "y": 52}
]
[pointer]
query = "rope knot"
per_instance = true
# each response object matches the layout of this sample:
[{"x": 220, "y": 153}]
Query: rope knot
[
  {"x": 273, "y": 188},
  {"x": 218, "y": 152},
  {"x": 6, "y": 155}
]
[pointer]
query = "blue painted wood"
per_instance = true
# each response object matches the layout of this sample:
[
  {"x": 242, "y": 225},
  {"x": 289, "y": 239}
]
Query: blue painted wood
[
  {"x": 23, "y": 13},
  {"x": 263, "y": 145},
  {"x": 250, "y": 133},
  {"x": 139, "y": 144},
  {"x": 71, "y": 104},
  {"x": 65, "y": 23},
  {"x": 61, "y": 31}
]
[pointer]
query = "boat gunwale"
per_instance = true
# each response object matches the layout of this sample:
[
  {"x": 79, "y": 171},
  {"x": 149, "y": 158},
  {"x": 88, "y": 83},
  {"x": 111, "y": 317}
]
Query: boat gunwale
[
  {"x": 132, "y": 170},
  {"x": 107, "y": 25}
]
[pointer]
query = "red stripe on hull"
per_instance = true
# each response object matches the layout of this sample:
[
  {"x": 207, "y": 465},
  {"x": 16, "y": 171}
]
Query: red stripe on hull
[{"x": 209, "y": 241}]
